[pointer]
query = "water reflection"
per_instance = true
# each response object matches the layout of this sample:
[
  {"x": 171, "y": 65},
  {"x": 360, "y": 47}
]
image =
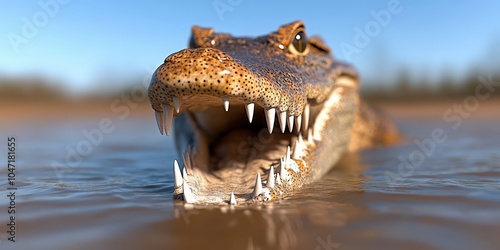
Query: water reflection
[
  {"x": 304, "y": 220},
  {"x": 120, "y": 197}
]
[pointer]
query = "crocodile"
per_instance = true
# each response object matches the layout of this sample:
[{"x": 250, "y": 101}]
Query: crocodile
[{"x": 222, "y": 95}]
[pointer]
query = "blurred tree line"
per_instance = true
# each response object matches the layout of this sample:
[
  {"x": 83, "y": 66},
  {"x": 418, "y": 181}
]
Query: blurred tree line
[
  {"x": 405, "y": 88},
  {"x": 43, "y": 89}
]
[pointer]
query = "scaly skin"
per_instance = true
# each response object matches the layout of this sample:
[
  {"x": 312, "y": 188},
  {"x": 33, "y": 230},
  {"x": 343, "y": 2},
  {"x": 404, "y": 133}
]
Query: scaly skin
[{"x": 283, "y": 72}]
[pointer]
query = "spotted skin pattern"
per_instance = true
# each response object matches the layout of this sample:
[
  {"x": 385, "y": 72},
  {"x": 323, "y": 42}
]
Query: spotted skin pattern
[{"x": 259, "y": 70}]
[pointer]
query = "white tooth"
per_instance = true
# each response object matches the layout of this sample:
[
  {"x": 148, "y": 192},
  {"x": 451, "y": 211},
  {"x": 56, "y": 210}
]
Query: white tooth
[
  {"x": 159, "y": 121},
  {"x": 184, "y": 173},
  {"x": 297, "y": 150},
  {"x": 282, "y": 121},
  {"x": 177, "y": 175},
  {"x": 249, "y": 108},
  {"x": 232, "y": 200},
  {"x": 306, "y": 113},
  {"x": 188, "y": 195},
  {"x": 290, "y": 123},
  {"x": 301, "y": 140},
  {"x": 270, "y": 178},
  {"x": 310, "y": 138},
  {"x": 225, "y": 101},
  {"x": 168, "y": 115},
  {"x": 298, "y": 122},
  {"x": 177, "y": 106},
  {"x": 258, "y": 186},
  {"x": 278, "y": 179},
  {"x": 270, "y": 114},
  {"x": 283, "y": 175}
]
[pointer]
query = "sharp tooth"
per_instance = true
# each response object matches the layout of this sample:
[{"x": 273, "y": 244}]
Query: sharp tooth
[
  {"x": 282, "y": 121},
  {"x": 159, "y": 121},
  {"x": 177, "y": 175},
  {"x": 177, "y": 106},
  {"x": 283, "y": 175},
  {"x": 270, "y": 114},
  {"x": 305, "y": 116},
  {"x": 249, "y": 108},
  {"x": 298, "y": 122},
  {"x": 278, "y": 179},
  {"x": 270, "y": 178},
  {"x": 310, "y": 138},
  {"x": 301, "y": 140},
  {"x": 258, "y": 186},
  {"x": 188, "y": 195},
  {"x": 297, "y": 150},
  {"x": 168, "y": 115},
  {"x": 282, "y": 166},
  {"x": 232, "y": 200},
  {"x": 290, "y": 123},
  {"x": 225, "y": 101}
]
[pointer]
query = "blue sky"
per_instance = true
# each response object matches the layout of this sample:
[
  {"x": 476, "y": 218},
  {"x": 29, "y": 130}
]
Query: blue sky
[{"x": 81, "y": 42}]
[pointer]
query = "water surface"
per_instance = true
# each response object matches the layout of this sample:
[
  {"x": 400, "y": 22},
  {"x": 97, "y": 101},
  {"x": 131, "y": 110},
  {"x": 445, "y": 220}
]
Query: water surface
[{"x": 119, "y": 195}]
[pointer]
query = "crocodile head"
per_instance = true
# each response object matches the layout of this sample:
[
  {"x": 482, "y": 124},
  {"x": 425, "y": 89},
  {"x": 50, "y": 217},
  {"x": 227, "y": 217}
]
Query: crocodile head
[{"x": 223, "y": 94}]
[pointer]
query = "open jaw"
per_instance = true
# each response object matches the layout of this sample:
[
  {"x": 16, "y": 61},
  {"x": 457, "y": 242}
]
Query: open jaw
[
  {"x": 240, "y": 150},
  {"x": 235, "y": 152}
]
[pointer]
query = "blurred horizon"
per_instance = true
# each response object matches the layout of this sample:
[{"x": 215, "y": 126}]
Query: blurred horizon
[{"x": 78, "y": 48}]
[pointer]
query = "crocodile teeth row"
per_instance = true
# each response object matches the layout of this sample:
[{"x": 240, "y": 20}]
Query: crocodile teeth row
[
  {"x": 282, "y": 175},
  {"x": 164, "y": 119},
  {"x": 180, "y": 180}
]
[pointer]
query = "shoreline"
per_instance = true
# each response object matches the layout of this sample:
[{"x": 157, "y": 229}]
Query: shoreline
[{"x": 16, "y": 112}]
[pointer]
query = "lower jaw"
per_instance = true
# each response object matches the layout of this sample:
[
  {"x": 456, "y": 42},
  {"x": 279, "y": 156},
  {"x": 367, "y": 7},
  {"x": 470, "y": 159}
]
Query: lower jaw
[
  {"x": 210, "y": 176},
  {"x": 232, "y": 166}
]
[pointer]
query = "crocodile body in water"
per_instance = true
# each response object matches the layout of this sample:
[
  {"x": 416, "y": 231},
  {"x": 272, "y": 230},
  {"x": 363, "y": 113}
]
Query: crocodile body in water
[{"x": 229, "y": 155}]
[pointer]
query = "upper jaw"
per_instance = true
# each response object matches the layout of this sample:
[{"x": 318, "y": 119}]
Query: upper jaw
[{"x": 210, "y": 74}]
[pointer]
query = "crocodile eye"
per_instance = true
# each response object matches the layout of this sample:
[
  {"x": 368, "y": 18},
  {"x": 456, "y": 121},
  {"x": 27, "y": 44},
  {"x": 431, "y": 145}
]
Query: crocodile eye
[{"x": 298, "y": 45}]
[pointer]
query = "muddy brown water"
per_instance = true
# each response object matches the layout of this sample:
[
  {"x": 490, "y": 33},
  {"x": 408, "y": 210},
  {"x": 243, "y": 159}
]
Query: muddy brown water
[{"x": 118, "y": 195}]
